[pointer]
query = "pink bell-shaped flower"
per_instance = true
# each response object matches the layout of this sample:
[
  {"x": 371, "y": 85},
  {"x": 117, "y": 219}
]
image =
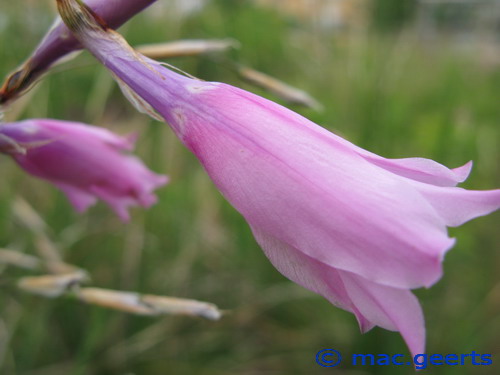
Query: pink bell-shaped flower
[
  {"x": 85, "y": 162},
  {"x": 359, "y": 229}
]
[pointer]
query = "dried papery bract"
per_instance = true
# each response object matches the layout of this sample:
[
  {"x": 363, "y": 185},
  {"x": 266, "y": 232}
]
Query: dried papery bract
[
  {"x": 10, "y": 146},
  {"x": 359, "y": 229}
]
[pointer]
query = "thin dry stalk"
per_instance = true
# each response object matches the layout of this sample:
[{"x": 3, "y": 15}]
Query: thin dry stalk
[
  {"x": 52, "y": 286},
  {"x": 15, "y": 258},
  {"x": 192, "y": 47},
  {"x": 279, "y": 88},
  {"x": 46, "y": 248},
  {"x": 181, "y": 48},
  {"x": 70, "y": 283}
]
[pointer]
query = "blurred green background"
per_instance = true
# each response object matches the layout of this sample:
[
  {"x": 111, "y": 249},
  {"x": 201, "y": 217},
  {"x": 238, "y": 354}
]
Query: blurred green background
[{"x": 399, "y": 78}]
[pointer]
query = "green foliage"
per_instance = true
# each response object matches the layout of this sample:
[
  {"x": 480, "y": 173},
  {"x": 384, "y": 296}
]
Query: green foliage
[
  {"x": 391, "y": 95},
  {"x": 391, "y": 15}
]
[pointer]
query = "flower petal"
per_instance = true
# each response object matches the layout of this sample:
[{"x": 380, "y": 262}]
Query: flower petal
[
  {"x": 79, "y": 198},
  {"x": 420, "y": 169},
  {"x": 390, "y": 308},
  {"x": 119, "y": 203},
  {"x": 309, "y": 273},
  {"x": 306, "y": 193},
  {"x": 373, "y": 304},
  {"x": 75, "y": 129},
  {"x": 456, "y": 205}
]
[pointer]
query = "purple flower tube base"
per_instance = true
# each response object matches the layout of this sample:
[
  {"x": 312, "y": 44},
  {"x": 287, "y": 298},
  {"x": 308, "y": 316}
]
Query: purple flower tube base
[{"x": 59, "y": 42}]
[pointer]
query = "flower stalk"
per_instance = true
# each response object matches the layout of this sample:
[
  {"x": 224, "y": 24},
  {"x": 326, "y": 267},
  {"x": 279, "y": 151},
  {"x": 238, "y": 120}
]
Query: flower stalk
[{"x": 59, "y": 44}]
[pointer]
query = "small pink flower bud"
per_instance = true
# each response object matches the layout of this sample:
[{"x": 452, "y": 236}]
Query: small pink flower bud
[{"x": 85, "y": 162}]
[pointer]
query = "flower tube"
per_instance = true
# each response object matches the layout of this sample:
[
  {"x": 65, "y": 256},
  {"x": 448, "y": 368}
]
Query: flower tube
[
  {"x": 359, "y": 229},
  {"x": 59, "y": 42},
  {"x": 85, "y": 162}
]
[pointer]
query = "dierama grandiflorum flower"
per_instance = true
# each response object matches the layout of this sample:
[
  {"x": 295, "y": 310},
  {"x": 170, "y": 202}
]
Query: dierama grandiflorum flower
[
  {"x": 359, "y": 229},
  {"x": 59, "y": 42},
  {"x": 85, "y": 162}
]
